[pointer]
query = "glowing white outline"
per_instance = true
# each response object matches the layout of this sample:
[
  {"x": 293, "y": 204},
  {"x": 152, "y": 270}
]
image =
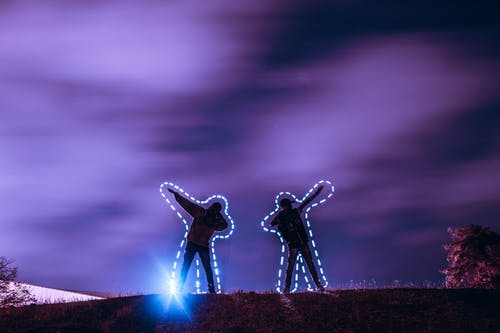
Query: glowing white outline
[
  {"x": 173, "y": 281},
  {"x": 314, "y": 251}
]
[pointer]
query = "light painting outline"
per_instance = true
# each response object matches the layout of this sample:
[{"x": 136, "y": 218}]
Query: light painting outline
[
  {"x": 173, "y": 282},
  {"x": 300, "y": 266}
]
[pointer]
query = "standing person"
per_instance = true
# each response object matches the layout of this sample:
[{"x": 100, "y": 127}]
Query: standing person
[
  {"x": 205, "y": 223},
  {"x": 292, "y": 229}
]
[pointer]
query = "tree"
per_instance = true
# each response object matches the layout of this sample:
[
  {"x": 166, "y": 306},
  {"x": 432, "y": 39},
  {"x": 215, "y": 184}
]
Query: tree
[
  {"x": 473, "y": 258},
  {"x": 12, "y": 293}
]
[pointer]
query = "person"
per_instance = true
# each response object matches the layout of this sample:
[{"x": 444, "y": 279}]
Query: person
[
  {"x": 292, "y": 229},
  {"x": 205, "y": 223}
]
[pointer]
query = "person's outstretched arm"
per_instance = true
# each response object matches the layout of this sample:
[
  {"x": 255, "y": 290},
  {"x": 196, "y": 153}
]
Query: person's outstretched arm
[
  {"x": 193, "y": 209},
  {"x": 311, "y": 198}
]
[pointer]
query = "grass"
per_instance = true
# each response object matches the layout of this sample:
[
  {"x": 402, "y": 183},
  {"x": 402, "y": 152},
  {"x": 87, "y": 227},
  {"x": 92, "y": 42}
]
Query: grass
[{"x": 374, "y": 310}]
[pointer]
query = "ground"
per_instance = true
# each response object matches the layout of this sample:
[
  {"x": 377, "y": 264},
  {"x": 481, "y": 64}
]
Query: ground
[{"x": 376, "y": 310}]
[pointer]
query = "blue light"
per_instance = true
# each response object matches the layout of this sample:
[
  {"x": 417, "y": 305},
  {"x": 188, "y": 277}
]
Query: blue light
[
  {"x": 172, "y": 305},
  {"x": 217, "y": 235},
  {"x": 173, "y": 287},
  {"x": 315, "y": 254},
  {"x": 170, "y": 299}
]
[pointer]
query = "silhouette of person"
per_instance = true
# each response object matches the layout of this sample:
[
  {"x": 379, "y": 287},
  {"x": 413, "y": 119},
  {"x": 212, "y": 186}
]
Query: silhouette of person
[
  {"x": 292, "y": 229},
  {"x": 205, "y": 223}
]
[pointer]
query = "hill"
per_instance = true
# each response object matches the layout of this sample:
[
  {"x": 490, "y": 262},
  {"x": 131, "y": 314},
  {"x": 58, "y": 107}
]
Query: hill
[
  {"x": 52, "y": 295},
  {"x": 376, "y": 310}
]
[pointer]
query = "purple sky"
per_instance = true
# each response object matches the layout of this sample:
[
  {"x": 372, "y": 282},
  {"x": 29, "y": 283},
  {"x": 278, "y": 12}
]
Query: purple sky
[{"x": 100, "y": 102}]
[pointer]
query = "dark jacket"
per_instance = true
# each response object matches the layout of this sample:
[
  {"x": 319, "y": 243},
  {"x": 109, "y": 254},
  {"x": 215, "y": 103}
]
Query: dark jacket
[
  {"x": 204, "y": 225},
  {"x": 291, "y": 227}
]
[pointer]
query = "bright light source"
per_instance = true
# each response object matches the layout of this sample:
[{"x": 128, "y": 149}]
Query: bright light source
[
  {"x": 173, "y": 287},
  {"x": 315, "y": 254},
  {"x": 217, "y": 235}
]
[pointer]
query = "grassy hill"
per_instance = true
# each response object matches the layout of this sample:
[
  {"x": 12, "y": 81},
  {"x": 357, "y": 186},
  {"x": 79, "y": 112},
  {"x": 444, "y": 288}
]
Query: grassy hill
[{"x": 377, "y": 310}]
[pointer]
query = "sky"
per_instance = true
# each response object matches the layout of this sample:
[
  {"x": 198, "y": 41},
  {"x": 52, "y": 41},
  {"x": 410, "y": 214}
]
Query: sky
[{"x": 397, "y": 103}]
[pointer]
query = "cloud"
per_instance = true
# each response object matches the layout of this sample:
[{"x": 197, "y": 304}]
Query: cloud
[{"x": 309, "y": 34}]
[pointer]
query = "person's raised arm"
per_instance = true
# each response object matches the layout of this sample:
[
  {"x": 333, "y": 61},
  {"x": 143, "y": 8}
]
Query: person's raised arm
[
  {"x": 311, "y": 198},
  {"x": 193, "y": 209}
]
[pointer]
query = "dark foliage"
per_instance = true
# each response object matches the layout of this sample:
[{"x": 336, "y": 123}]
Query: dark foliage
[
  {"x": 473, "y": 258},
  {"x": 12, "y": 293}
]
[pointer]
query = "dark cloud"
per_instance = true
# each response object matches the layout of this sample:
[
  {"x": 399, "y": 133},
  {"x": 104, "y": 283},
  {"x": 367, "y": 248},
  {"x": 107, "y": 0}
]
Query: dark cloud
[
  {"x": 466, "y": 137},
  {"x": 314, "y": 31}
]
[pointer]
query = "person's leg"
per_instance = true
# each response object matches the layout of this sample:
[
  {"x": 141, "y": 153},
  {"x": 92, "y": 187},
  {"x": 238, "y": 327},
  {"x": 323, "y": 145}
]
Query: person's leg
[
  {"x": 204, "y": 254},
  {"x": 306, "y": 253},
  {"x": 292, "y": 257},
  {"x": 188, "y": 259}
]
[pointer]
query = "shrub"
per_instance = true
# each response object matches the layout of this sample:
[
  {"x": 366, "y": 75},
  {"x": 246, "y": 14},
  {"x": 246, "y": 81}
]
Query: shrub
[
  {"x": 473, "y": 258},
  {"x": 12, "y": 293}
]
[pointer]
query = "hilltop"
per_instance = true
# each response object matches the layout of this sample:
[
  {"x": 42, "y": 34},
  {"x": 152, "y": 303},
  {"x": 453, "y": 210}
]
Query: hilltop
[{"x": 376, "y": 310}]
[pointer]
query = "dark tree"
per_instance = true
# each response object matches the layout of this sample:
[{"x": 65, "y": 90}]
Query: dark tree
[
  {"x": 12, "y": 293},
  {"x": 473, "y": 258}
]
